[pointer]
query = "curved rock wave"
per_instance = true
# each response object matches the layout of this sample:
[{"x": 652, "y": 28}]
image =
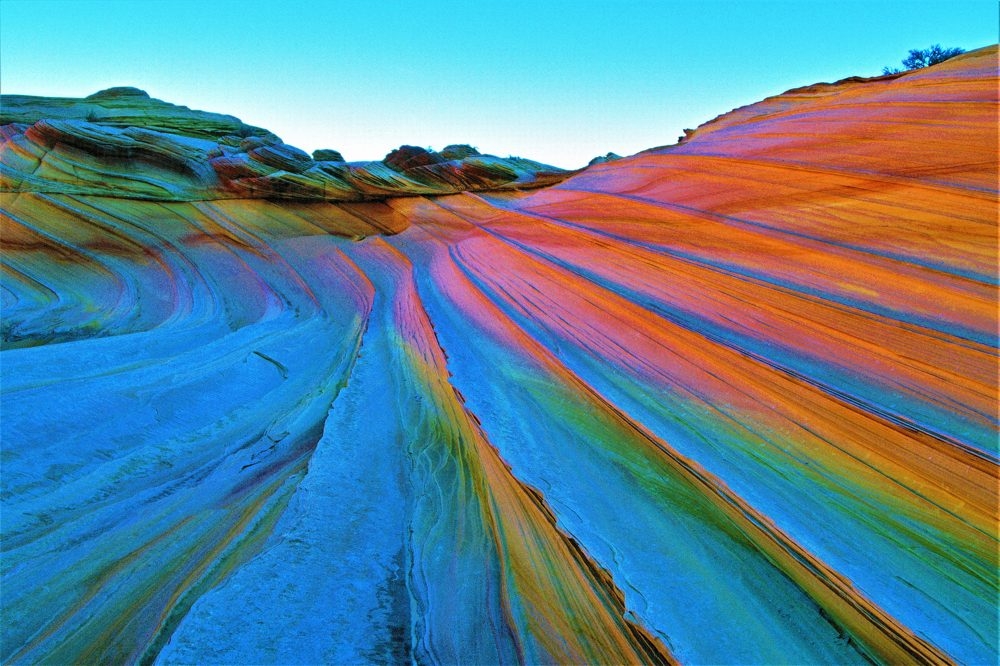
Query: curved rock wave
[{"x": 730, "y": 401}]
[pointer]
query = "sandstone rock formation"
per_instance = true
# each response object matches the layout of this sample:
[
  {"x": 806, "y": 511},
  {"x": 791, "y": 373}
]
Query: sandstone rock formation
[
  {"x": 121, "y": 143},
  {"x": 327, "y": 155},
  {"x": 729, "y": 401},
  {"x": 601, "y": 159}
]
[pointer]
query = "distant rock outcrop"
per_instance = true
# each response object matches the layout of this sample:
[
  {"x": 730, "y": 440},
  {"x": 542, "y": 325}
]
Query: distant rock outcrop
[
  {"x": 458, "y": 152},
  {"x": 118, "y": 93},
  {"x": 121, "y": 142},
  {"x": 327, "y": 155},
  {"x": 405, "y": 158},
  {"x": 601, "y": 159}
]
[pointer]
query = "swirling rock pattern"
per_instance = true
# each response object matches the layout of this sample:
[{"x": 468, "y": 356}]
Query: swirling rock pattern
[{"x": 730, "y": 401}]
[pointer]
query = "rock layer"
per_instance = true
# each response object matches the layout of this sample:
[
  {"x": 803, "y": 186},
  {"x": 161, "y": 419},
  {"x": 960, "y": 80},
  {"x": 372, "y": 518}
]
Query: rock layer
[{"x": 730, "y": 401}]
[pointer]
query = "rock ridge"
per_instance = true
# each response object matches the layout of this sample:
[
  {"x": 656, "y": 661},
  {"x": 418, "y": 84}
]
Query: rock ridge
[{"x": 121, "y": 142}]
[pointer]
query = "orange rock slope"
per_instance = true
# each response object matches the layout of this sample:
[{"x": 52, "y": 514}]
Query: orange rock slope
[{"x": 729, "y": 401}]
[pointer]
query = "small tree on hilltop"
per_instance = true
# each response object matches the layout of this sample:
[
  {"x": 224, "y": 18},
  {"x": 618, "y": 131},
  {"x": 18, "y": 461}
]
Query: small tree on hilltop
[{"x": 924, "y": 58}]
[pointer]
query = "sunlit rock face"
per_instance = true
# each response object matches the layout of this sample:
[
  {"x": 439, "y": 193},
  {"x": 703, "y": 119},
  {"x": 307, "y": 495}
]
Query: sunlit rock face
[{"x": 731, "y": 401}]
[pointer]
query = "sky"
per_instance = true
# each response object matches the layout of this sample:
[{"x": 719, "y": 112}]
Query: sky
[{"x": 557, "y": 81}]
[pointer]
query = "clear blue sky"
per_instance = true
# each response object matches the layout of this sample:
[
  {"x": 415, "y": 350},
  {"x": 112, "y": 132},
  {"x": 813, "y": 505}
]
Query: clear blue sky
[{"x": 558, "y": 81}]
